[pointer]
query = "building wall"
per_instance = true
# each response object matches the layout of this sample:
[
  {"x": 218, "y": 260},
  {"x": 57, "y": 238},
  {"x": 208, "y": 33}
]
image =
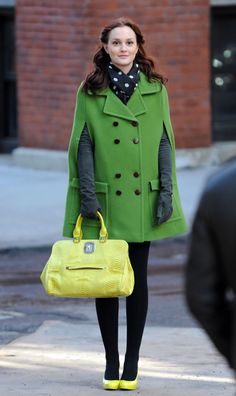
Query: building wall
[{"x": 55, "y": 45}]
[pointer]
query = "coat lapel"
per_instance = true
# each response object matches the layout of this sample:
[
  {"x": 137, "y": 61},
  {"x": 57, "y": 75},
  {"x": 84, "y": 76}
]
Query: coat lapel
[
  {"x": 135, "y": 106},
  {"x": 115, "y": 107}
]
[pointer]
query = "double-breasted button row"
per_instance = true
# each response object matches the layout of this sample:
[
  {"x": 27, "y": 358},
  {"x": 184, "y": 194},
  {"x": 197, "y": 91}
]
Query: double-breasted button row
[
  {"x": 136, "y": 192},
  {"x": 134, "y": 123},
  {"x": 135, "y": 141},
  {"x": 118, "y": 175}
]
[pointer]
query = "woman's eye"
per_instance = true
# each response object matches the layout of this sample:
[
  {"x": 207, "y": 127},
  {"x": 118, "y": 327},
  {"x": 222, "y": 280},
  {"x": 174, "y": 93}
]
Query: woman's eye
[{"x": 118, "y": 43}]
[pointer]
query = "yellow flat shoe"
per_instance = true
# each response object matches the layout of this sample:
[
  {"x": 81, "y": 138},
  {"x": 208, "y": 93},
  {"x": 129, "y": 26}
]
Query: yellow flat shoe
[
  {"x": 110, "y": 384},
  {"x": 129, "y": 385}
]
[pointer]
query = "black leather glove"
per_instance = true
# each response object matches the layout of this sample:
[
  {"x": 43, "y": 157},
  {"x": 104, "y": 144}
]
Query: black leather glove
[
  {"x": 89, "y": 208},
  {"x": 164, "y": 207},
  {"x": 89, "y": 202},
  {"x": 164, "y": 203}
]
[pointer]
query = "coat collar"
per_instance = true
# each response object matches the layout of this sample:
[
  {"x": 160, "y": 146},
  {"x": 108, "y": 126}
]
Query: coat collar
[{"x": 135, "y": 106}]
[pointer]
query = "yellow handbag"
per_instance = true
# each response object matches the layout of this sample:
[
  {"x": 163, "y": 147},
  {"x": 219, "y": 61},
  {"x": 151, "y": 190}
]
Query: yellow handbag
[{"x": 88, "y": 268}]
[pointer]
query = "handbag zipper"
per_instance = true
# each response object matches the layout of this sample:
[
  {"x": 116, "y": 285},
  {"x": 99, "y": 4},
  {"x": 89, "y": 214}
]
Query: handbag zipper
[{"x": 84, "y": 268}]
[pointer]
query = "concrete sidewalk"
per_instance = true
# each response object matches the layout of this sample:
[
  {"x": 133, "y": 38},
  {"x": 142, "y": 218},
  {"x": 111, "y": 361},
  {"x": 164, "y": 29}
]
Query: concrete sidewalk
[
  {"x": 61, "y": 358},
  {"x": 64, "y": 358}
]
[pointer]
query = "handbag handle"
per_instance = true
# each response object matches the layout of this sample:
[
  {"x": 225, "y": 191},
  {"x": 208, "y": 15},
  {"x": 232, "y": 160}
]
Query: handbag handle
[{"x": 78, "y": 234}]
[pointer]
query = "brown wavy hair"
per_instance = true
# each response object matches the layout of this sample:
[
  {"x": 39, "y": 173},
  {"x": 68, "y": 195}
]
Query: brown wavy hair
[{"x": 98, "y": 78}]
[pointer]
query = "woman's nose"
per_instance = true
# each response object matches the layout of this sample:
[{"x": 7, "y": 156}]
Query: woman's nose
[{"x": 123, "y": 47}]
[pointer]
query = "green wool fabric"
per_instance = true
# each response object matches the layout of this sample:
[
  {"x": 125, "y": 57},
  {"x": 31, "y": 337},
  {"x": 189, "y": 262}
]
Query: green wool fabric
[{"x": 126, "y": 140}]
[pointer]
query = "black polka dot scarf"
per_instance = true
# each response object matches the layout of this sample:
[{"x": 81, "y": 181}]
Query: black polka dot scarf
[{"x": 123, "y": 85}]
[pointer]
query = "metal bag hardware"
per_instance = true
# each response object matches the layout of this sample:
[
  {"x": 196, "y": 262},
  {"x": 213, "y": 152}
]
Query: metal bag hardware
[{"x": 89, "y": 247}]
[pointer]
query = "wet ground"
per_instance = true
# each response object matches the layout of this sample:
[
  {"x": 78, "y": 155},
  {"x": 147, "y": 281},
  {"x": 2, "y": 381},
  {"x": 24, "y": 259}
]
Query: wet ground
[{"x": 24, "y": 304}]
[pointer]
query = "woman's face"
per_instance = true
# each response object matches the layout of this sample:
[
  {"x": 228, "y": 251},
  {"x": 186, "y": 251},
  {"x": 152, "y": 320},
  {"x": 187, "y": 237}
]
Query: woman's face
[{"x": 122, "y": 47}]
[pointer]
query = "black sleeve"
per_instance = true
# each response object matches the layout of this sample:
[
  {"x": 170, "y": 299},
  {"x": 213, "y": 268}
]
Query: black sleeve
[
  {"x": 86, "y": 165},
  {"x": 165, "y": 163},
  {"x": 204, "y": 285},
  {"x": 89, "y": 203}
]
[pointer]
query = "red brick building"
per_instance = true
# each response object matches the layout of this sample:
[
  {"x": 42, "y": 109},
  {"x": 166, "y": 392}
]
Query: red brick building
[{"x": 55, "y": 42}]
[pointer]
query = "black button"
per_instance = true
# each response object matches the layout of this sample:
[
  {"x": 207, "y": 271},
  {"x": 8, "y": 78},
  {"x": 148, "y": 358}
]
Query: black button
[
  {"x": 115, "y": 123},
  {"x": 117, "y": 141},
  {"x": 136, "y": 140},
  {"x": 137, "y": 192},
  {"x": 134, "y": 123},
  {"x": 118, "y": 175},
  {"x": 118, "y": 192},
  {"x": 136, "y": 174}
]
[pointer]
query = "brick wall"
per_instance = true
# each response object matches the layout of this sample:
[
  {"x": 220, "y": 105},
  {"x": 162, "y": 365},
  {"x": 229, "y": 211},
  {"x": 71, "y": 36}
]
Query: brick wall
[{"x": 57, "y": 39}]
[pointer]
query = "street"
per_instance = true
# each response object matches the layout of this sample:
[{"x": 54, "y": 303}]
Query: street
[{"x": 24, "y": 304}]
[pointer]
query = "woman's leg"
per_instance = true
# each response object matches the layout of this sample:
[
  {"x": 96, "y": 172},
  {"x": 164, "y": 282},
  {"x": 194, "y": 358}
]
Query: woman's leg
[
  {"x": 107, "y": 313},
  {"x": 136, "y": 308}
]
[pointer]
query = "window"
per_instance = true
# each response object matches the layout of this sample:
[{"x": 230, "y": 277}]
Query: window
[{"x": 8, "y": 101}]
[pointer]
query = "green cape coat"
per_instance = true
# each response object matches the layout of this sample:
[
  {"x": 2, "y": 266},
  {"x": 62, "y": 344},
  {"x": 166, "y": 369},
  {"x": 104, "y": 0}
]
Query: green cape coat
[{"x": 126, "y": 140}]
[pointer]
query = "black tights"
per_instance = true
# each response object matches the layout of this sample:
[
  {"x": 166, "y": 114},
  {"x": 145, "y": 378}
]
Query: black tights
[{"x": 136, "y": 312}]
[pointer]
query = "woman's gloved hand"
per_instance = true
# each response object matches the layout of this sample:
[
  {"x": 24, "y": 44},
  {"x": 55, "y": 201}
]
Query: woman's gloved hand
[
  {"x": 164, "y": 207},
  {"x": 89, "y": 208}
]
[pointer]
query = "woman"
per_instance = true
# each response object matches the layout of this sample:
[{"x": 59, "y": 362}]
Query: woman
[{"x": 122, "y": 162}]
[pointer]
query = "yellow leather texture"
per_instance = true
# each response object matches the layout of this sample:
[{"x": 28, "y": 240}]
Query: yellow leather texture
[{"x": 88, "y": 268}]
